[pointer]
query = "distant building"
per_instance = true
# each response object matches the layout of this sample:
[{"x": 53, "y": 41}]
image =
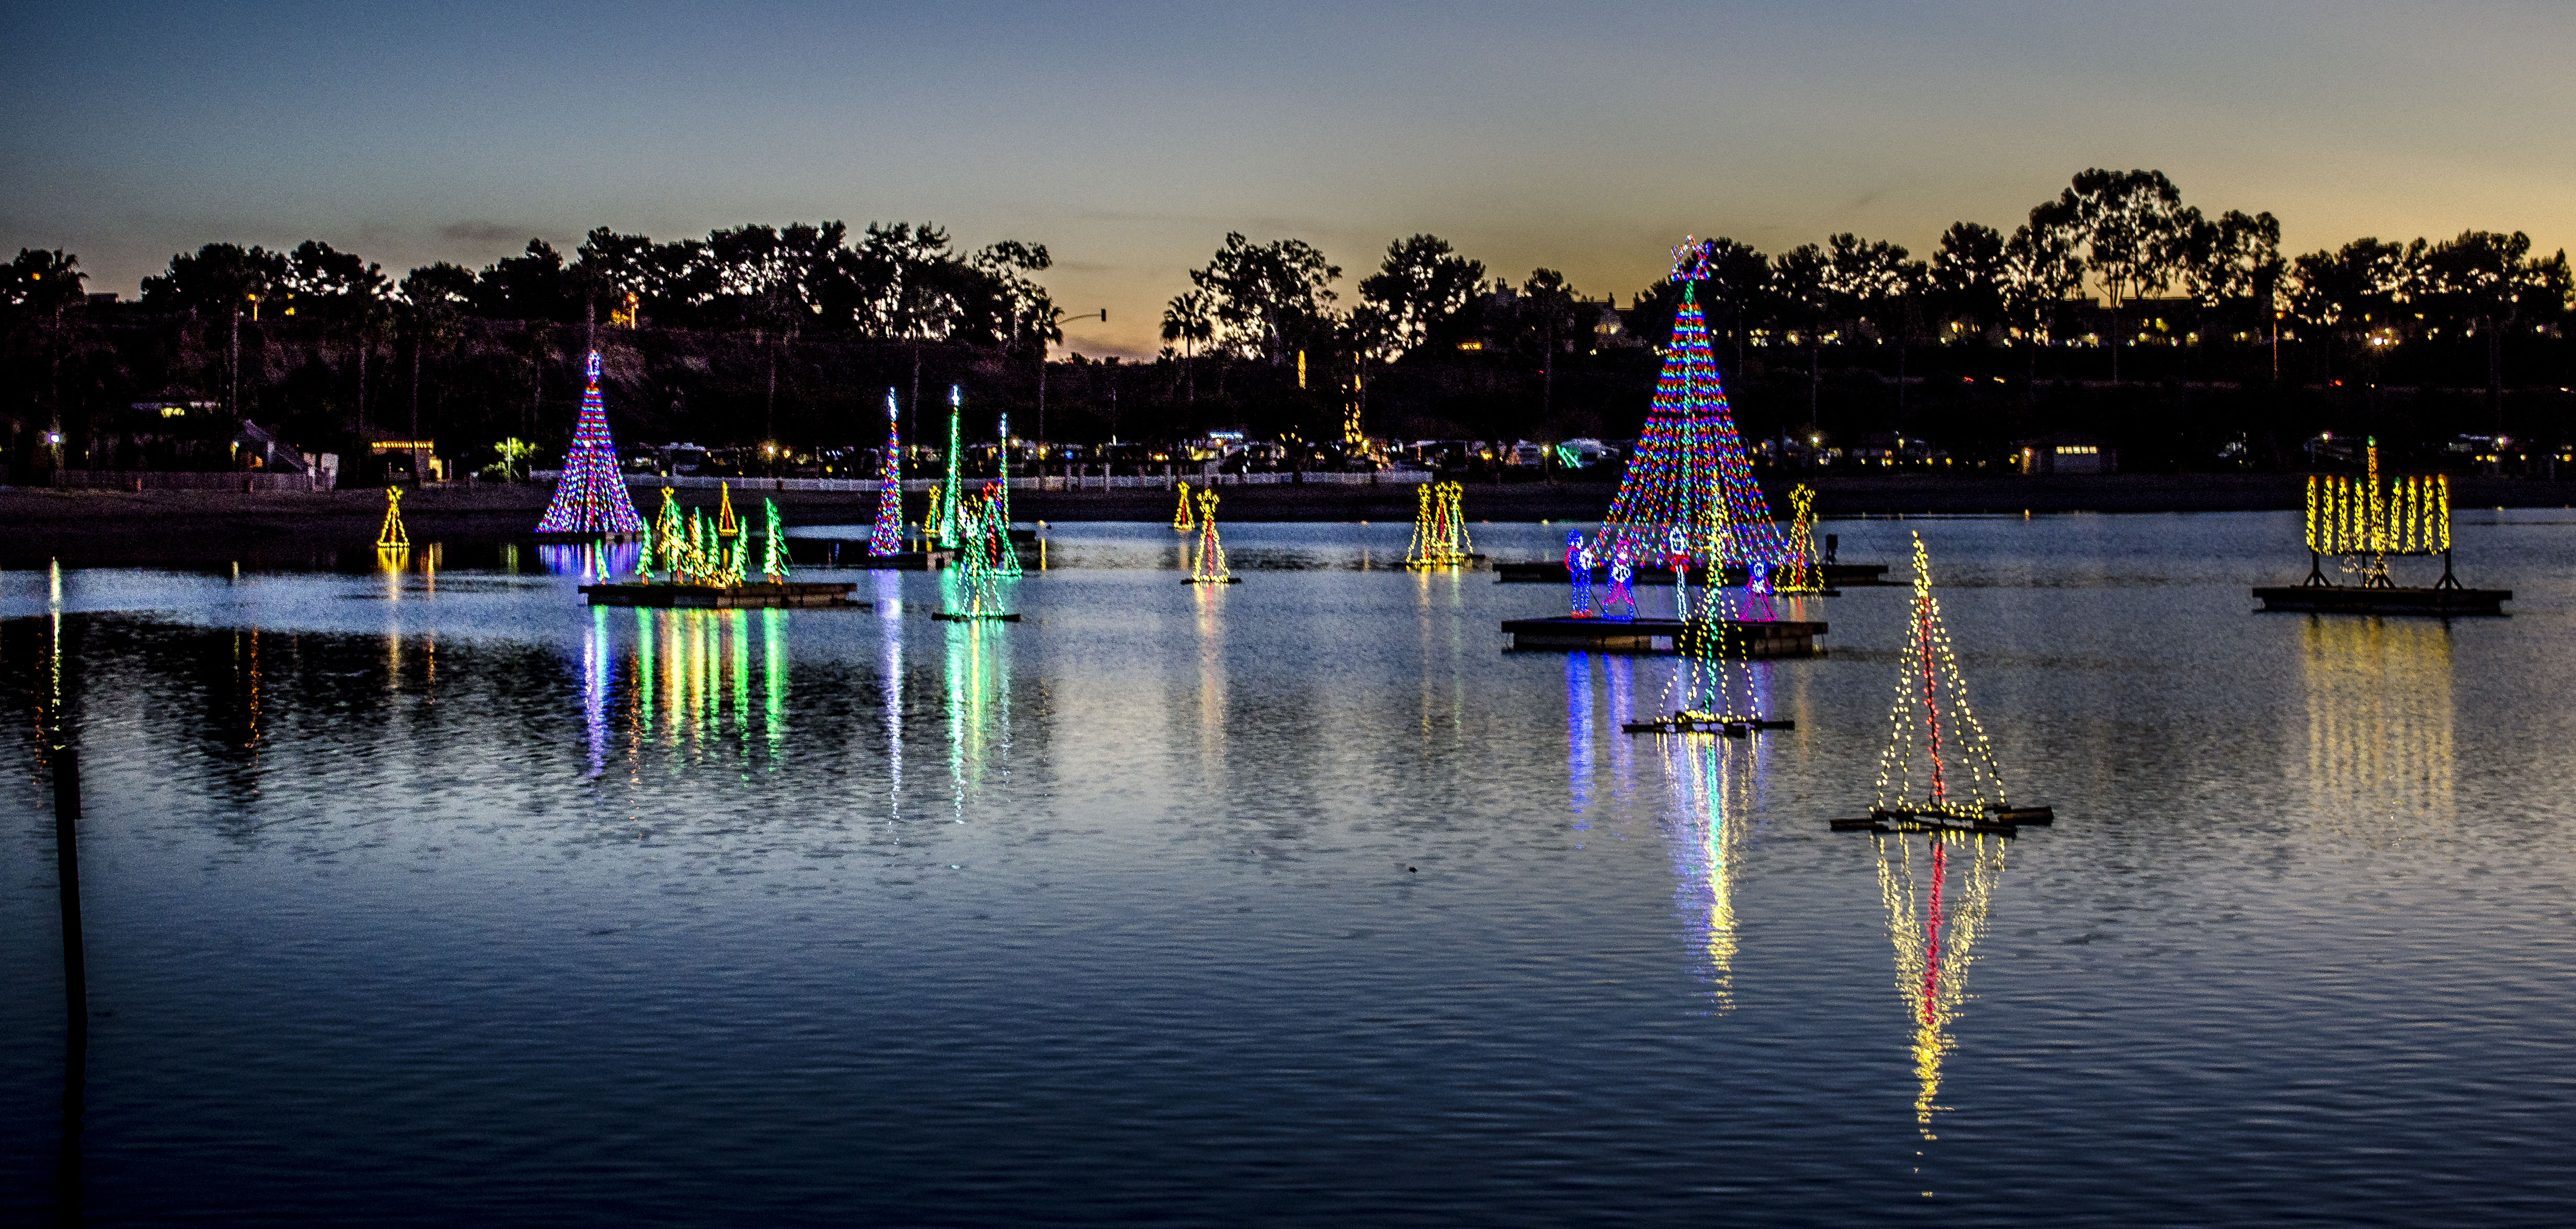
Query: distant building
[{"x": 2066, "y": 452}]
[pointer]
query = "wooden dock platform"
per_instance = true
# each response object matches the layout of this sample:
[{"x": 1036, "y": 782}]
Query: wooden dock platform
[
  {"x": 1775, "y": 638},
  {"x": 726, "y": 597},
  {"x": 1553, "y": 572},
  {"x": 2358, "y": 599},
  {"x": 2002, "y": 821}
]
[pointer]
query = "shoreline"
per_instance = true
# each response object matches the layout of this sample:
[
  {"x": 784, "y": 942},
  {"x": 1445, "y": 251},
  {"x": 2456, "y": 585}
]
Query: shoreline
[{"x": 194, "y": 528}]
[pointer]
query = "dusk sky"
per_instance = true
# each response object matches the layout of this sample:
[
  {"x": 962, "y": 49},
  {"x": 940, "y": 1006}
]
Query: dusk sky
[{"x": 1129, "y": 138}]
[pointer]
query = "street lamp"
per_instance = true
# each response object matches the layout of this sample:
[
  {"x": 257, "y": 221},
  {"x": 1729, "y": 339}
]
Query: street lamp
[{"x": 1056, "y": 317}]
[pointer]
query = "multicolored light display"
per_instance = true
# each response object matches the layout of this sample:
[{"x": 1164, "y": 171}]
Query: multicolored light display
[
  {"x": 1690, "y": 471},
  {"x": 393, "y": 534},
  {"x": 1578, "y": 570},
  {"x": 887, "y": 539},
  {"x": 1622, "y": 593},
  {"x": 1938, "y": 761},
  {"x": 591, "y": 496},
  {"x": 973, "y": 587},
  {"x": 992, "y": 533},
  {"x": 1440, "y": 528}
]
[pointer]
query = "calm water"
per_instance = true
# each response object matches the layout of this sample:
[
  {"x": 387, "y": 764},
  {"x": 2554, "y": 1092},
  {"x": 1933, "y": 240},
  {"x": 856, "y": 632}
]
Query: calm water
[{"x": 439, "y": 898}]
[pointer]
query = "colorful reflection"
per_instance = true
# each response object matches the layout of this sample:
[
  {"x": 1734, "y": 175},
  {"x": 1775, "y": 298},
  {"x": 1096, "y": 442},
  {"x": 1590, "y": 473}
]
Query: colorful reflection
[
  {"x": 592, "y": 561},
  {"x": 1936, "y": 906},
  {"x": 889, "y": 594},
  {"x": 979, "y": 707},
  {"x": 2380, "y": 720},
  {"x": 709, "y": 686},
  {"x": 1713, "y": 780},
  {"x": 1578, "y": 735}
]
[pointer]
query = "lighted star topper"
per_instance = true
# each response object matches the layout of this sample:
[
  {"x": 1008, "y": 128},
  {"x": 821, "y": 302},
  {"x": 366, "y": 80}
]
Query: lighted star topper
[
  {"x": 1691, "y": 259},
  {"x": 590, "y": 367}
]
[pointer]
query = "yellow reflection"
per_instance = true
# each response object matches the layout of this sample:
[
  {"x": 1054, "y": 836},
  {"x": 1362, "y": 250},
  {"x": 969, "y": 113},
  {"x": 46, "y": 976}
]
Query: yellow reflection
[
  {"x": 1714, "y": 777},
  {"x": 1952, "y": 880},
  {"x": 978, "y": 702},
  {"x": 2379, "y": 724},
  {"x": 1211, "y": 629}
]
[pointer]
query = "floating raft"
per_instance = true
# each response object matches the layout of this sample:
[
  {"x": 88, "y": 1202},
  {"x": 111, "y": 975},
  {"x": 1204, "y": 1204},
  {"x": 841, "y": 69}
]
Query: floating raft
[
  {"x": 1683, "y": 723},
  {"x": 945, "y": 617},
  {"x": 2359, "y": 599},
  {"x": 723, "y": 597},
  {"x": 1836, "y": 575},
  {"x": 1773, "y": 638},
  {"x": 2006, "y": 821}
]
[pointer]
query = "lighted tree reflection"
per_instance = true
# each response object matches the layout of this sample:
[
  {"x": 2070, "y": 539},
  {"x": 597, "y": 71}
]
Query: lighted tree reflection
[{"x": 1714, "y": 781}]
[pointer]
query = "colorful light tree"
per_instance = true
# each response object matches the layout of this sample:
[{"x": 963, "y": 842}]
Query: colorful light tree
[
  {"x": 993, "y": 536},
  {"x": 1717, "y": 689},
  {"x": 888, "y": 537},
  {"x": 667, "y": 528},
  {"x": 2365, "y": 520},
  {"x": 974, "y": 590},
  {"x": 1440, "y": 528},
  {"x": 393, "y": 534},
  {"x": 1690, "y": 470},
  {"x": 726, "y": 525},
  {"x": 590, "y": 497},
  {"x": 1209, "y": 567},
  {"x": 773, "y": 546},
  {"x": 1182, "y": 522},
  {"x": 1938, "y": 762},
  {"x": 947, "y": 512}
]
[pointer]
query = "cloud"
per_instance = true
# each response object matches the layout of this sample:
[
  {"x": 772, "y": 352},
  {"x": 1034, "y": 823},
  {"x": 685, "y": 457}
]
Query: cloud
[{"x": 478, "y": 232}]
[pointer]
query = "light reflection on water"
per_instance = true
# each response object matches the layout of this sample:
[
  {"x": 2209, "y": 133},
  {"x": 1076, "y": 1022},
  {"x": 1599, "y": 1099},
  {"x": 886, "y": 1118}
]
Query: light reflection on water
[{"x": 1267, "y": 903}]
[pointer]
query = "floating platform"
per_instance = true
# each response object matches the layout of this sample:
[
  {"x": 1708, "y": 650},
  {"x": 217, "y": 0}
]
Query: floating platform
[
  {"x": 1554, "y": 572},
  {"x": 1686, "y": 723},
  {"x": 2004, "y": 821},
  {"x": 584, "y": 539},
  {"x": 945, "y": 617},
  {"x": 724, "y": 597},
  {"x": 1220, "y": 580},
  {"x": 1773, "y": 638},
  {"x": 1471, "y": 562},
  {"x": 2360, "y": 599}
]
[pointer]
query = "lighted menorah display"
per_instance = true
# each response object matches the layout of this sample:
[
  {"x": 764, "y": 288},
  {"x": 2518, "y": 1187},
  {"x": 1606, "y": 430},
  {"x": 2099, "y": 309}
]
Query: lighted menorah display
[{"x": 2364, "y": 520}]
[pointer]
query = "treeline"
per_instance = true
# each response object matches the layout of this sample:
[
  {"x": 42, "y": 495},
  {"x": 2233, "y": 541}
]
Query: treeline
[{"x": 2114, "y": 307}]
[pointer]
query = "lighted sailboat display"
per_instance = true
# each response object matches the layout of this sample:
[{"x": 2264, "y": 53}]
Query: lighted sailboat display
[{"x": 1938, "y": 771}]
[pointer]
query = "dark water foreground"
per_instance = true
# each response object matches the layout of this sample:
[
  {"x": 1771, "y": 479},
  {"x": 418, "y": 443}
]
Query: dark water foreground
[{"x": 435, "y": 898}]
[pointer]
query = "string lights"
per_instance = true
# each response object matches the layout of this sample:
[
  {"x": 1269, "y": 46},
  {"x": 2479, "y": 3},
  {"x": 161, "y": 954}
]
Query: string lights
[
  {"x": 1800, "y": 571},
  {"x": 2363, "y": 521},
  {"x": 726, "y": 525},
  {"x": 1440, "y": 528},
  {"x": 590, "y": 497},
  {"x": 1182, "y": 521},
  {"x": 945, "y": 512},
  {"x": 991, "y": 533},
  {"x": 1939, "y": 768},
  {"x": 1209, "y": 566},
  {"x": 1623, "y": 593},
  {"x": 773, "y": 549},
  {"x": 1935, "y": 941},
  {"x": 974, "y": 589},
  {"x": 393, "y": 534},
  {"x": 1690, "y": 470},
  {"x": 1716, "y": 689},
  {"x": 887, "y": 539},
  {"x": 1578, "y": 570}
]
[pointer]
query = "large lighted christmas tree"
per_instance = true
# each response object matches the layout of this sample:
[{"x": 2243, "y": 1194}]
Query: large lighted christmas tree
[
  {"x": 590, "y": 498},
  {"x": 1690, "y": 471}
]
